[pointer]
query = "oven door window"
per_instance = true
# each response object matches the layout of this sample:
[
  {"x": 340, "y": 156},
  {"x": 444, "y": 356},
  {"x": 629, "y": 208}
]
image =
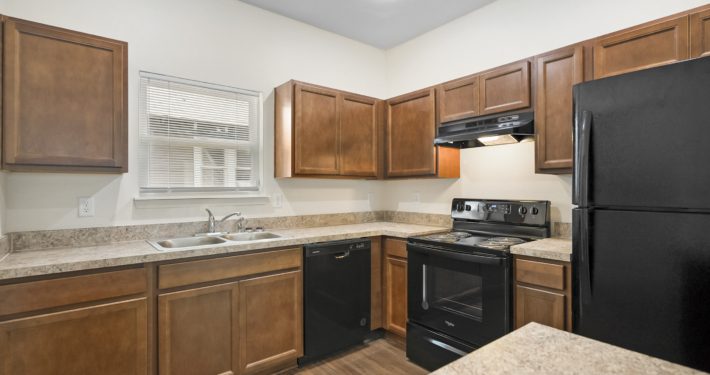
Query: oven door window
[{"x": 454, "y": 291}]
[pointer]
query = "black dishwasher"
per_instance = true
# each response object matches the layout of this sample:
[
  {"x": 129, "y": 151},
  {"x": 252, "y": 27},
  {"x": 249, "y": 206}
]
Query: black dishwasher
[{"x": 336, "y": 293}]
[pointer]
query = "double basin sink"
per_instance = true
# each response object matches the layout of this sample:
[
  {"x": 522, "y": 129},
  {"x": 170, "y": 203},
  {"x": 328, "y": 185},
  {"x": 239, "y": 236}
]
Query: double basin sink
[{"x": 205, "y": 241}]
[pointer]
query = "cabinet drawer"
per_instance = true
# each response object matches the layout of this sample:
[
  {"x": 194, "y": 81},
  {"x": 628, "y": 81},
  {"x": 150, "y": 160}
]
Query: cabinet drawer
[
  {"x": 395, "y": 247},
  {"x": 539, "y": 273},
  {"x": 201, "y": 271},
  {"x": 43, "y": 294}
]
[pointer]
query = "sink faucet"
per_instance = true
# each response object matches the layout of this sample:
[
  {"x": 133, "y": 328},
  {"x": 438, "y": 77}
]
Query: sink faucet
[{"x": 211, "y": 222}]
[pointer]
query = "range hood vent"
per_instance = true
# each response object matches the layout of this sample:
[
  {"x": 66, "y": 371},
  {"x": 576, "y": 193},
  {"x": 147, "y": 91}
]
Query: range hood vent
[{"x": 486, "y": 131}]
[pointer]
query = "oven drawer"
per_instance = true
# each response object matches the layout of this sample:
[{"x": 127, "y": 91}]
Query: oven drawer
[{"x": 432, "y": 350}]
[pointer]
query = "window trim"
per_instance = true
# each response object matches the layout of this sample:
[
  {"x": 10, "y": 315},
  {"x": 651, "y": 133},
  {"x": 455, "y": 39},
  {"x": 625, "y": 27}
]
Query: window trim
[{"x": 191, "y": 193}]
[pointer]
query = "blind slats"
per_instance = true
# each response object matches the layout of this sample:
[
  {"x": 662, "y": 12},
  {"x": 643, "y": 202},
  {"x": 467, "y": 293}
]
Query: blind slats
[{"x": 196, "y": 136}]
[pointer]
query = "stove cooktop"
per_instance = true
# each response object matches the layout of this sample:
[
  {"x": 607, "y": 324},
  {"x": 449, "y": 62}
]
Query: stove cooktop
[{"x": 472, "y": 240}]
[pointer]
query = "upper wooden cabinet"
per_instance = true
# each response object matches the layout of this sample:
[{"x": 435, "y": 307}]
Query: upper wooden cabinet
[
  {"x": 458, "y": 99},
  {"x": 556, "y": 73},
  {"x": 64, "y": 100},
  {"x": 325, "y": 132},
  {"x": 640, "y": 48},
  {"x": 505, "y": 88},
  {"x": 700, "y": 34},
  {"x": 411, "y": 129}
]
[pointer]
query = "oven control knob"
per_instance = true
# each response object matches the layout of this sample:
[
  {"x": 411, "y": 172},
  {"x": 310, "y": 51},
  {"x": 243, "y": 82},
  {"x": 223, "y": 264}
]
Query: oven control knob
[
  {"x": 522, "y": 210},
  {"x": 468, "y": 207},
  {"x": 460, "y": 206},
  {"x": 535, "y": 211}
]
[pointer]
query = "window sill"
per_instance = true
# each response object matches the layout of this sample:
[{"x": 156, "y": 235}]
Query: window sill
[{"x": 165, "y": 200}]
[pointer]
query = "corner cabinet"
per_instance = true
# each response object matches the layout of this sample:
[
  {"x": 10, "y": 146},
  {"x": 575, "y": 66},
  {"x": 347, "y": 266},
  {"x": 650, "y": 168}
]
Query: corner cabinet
[
  {"x": 556, "y": 73},
  {"x": 641, "y": 48},
  {"x": 543, "y": 292},
  {"x": 410, "y": 133},
  {"x": 64, "y": 100},
  {"x": 322, "y": 132}
]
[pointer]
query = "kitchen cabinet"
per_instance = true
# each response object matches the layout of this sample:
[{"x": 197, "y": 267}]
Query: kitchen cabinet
[
  {"x": 250, "y": 322},
  {"x": 643, "y": 47},
  {"x": 505, "y": 88},
  {"x": 410, "y": 133},
  {"x": 543, "y": 292},
  {"x": 64, "y": 100},
  {"x": 199, "y": 331},
  {"x": 323, "y": 132},
  {"x": 395, "y": 285},
  {"x": 556, "y": 73},
  {"x": 65, "y": 325},
  {"x": 270, "y": 322},
  {"x": 700, "y": 34},
  {"x": 458, "y": 99}
]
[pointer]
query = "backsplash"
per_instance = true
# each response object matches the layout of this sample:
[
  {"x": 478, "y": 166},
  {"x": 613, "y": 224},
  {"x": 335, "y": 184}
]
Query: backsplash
[
  {"x": 33, "y": 240},
  {"x": 4, "y": 246}
]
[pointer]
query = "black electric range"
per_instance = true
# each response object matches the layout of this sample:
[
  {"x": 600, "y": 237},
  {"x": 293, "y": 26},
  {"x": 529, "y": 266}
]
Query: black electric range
[{"x": 459, "y": 282}]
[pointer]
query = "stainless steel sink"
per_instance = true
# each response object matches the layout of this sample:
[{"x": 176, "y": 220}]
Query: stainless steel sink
[
  {"x": 176, "y": 243},
  {"x": 250, "y": 236}
]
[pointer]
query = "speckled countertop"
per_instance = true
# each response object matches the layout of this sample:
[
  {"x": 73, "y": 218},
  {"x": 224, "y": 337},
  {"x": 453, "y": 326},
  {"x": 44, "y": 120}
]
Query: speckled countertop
[
  {"x": 65, "y": 259},
  {"x": 548, "y": 248},
  {"x": 538, "y": 349}
]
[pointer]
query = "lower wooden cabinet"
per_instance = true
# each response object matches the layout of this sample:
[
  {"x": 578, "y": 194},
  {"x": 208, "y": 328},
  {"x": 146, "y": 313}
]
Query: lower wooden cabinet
[
  {"x": 253, "y": 325},
  {"x": 104, "y": 339},
  {"x": 543, "y": 293},
  {"x": 395, "y": 286},
  {"x": 199, "y": 331}
]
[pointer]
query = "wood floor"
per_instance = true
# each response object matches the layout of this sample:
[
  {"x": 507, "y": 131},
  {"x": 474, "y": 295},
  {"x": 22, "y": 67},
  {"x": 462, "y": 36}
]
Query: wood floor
[{"x": 383, "y": 356}]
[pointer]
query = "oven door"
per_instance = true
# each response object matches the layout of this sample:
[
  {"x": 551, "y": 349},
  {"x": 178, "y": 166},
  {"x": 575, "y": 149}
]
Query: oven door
[{"x": 464, "y": 295}]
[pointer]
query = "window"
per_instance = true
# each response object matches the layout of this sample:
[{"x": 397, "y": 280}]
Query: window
[{"x": 196, "y": 136}]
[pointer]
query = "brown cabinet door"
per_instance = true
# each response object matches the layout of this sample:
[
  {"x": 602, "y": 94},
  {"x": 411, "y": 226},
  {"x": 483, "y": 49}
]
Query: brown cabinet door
[
  {"x": 359, "y": 128},
  {"x": 64, "y": 100},
  {"x": 556, "y": 73},
  {"x": 396, "y": 295},
  {"x": 700, "y": 34},
  {"x": 104, "y": 339},
  {"x": 316, "y": 130},
  {"x": 271, "y": 322},
  {"x": 641, "y": 48},
  {"x": 458, "y": 99},
  {"x": 411, "y": 128},
  {"x": 505, "y": 88},
  {"x": 198, "y": 331},
  {"x": 540, "y": 306}
]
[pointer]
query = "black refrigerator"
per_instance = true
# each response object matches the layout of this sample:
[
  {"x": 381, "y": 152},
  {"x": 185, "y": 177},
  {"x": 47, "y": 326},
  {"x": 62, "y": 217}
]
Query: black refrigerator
[{"x": 641, "y": 229}]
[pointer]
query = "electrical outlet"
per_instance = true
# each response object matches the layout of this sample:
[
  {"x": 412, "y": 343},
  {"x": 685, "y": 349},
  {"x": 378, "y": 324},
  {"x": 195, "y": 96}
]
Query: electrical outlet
[
  {"x": 417, "y": 197},
  {"x": 86, "y": 207},
  {"x": 277, "y": 200}
]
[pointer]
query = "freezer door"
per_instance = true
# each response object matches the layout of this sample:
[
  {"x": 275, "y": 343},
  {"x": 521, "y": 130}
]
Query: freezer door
[
  {"x": 643, "y": 139},
  {"x": 643, "y": 282}
]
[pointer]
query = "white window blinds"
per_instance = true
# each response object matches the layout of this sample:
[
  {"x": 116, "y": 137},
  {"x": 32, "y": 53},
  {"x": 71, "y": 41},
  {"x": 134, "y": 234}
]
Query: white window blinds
[{"x": 196, "y": 136}]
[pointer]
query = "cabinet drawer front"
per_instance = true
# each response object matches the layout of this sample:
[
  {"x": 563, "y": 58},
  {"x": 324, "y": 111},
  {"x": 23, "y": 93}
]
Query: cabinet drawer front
[
  {"x": 395, "y": 247},
  {"x": 110, "y": 339},
  {"x": 642, "y": 48},
  {"x": 200, "y": 271},
  {"x": 538, "y": 273},
  {"x": 37, "y": 295}
]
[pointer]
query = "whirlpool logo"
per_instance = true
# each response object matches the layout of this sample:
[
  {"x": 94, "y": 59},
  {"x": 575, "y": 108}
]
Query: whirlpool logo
[{"x": 448, "y": 323}]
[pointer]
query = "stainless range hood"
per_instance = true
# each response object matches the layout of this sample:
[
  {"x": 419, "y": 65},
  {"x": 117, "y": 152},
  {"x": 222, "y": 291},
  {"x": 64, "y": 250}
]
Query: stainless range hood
[{"x": 486, "y": 131}]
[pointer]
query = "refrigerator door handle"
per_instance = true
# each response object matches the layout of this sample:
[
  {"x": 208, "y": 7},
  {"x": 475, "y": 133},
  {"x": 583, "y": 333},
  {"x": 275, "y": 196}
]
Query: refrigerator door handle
[
  {"x": 585, "y": 258},
  {"x": 582, "y": 139}
]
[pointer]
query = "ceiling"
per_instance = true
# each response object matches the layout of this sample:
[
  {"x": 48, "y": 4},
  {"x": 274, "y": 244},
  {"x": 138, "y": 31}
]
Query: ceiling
[{"x": 380, "y": 23}]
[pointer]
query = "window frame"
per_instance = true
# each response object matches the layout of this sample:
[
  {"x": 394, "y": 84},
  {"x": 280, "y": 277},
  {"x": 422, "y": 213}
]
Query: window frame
[{"x": 203, "y": 192}]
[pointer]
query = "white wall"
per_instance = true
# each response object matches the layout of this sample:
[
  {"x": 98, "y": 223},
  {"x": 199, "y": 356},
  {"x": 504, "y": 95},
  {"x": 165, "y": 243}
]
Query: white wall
[
  {"x": 220, "y": 41},
  {"x": 502, "y": 32}
]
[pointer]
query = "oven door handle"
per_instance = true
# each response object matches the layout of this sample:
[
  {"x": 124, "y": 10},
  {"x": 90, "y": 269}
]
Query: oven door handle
[{"x": 471, "y": 258}]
